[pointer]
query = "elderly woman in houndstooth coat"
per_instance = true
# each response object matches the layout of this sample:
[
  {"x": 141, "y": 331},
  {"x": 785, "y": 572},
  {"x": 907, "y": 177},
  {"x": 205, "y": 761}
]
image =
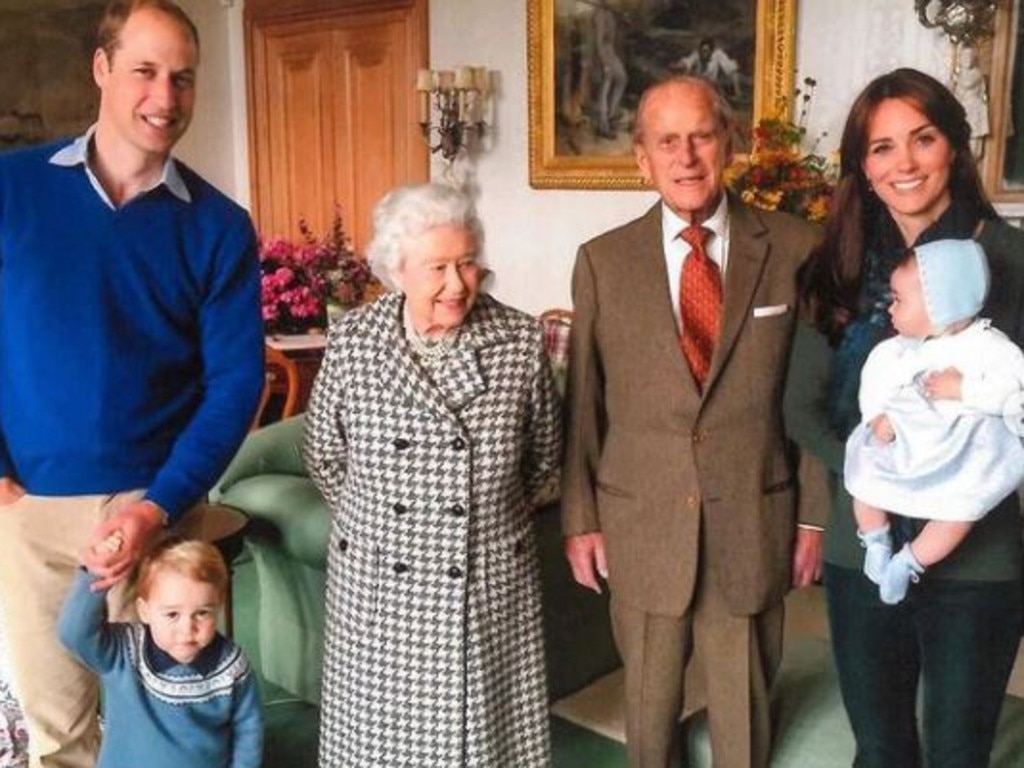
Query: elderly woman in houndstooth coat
[{"x": 433, "y": 421}]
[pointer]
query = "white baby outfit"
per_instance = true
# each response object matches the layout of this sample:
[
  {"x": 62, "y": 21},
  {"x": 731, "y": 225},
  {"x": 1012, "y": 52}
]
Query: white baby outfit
[{"x": 951, "y": 459}]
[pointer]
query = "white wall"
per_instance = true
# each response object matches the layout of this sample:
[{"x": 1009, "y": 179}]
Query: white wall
[
  {"x": 532, "y": 235},
  {"x": 216, "y": 144}
]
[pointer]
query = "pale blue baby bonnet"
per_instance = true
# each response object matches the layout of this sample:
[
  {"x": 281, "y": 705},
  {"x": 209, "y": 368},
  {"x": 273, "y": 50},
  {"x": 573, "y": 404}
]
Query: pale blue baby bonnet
[{"x": 954, "y": 278}]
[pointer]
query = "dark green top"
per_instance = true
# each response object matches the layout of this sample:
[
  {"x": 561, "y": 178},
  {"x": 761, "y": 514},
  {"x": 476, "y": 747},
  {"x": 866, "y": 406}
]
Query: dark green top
[{"x": 993, "y": 550}]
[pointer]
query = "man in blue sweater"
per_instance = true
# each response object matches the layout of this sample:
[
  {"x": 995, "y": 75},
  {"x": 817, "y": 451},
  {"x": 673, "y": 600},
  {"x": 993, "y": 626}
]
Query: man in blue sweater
[{"x": 130, "y": 353}]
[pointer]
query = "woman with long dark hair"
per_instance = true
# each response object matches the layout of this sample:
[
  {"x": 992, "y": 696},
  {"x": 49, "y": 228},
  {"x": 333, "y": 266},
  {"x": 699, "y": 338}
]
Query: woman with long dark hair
[{"x": 907, "y": 178}]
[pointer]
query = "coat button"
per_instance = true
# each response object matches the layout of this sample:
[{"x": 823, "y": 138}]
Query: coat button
[
  {"x": 699, "y": 436},
  {"x": 458, "y": 444},
  {"x": 400, "y": 443},
  {"x": 457, "y": 510},
  {"x": 455, "y": 572},
  {"x": 400, "y": 508},
  {"x": 400, "y": 568},
  {"x": 343, "y": 545}
]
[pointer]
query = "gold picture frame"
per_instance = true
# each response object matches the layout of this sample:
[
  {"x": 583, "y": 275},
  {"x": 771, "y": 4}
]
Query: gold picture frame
[
  {"x": 1002, "y": 164},
  {"x": 571, "y": 150}
]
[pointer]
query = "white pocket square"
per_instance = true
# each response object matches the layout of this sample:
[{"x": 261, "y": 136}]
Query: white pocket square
[{"x": 771, "y": 311}]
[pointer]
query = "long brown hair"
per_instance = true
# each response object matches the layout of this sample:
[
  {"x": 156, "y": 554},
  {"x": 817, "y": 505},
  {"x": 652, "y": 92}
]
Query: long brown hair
[{"x": 831, "y": 278}]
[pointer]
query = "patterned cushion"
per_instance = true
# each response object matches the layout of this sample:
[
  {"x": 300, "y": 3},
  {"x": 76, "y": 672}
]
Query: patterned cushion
[{"x": 557, "y": 330}]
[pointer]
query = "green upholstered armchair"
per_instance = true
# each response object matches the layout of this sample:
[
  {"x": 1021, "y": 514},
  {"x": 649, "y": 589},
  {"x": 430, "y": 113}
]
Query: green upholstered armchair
[{"x": 287, "y": 536}]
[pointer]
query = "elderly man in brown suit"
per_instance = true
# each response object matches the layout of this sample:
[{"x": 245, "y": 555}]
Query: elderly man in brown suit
[{"x": 678, "y": 487}]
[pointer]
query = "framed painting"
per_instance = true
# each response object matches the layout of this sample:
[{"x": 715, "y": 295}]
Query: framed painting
[
  {"x": 1000, "y": 135},
  {"x": 46, "y": 86},
  {"x": 589, "y": 61}
]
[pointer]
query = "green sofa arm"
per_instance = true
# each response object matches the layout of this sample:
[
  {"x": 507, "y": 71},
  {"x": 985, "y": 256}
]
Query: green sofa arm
[
  {"x": 273, "y": 449},
  {"x": 268, "y": 482}
]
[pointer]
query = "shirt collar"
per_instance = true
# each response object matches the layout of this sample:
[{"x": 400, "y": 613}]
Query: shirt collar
[
  {"x": 672, "y": 223},
  {"x": 203, "y": 664},
  {"x": 77, "y": 153}
]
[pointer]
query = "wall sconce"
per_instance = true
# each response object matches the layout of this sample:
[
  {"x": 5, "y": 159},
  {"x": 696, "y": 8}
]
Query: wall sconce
[{"x": 458, "y": 98}]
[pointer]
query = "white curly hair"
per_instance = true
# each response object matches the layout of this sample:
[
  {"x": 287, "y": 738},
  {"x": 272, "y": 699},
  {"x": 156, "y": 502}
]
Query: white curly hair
[{"x": 408, "y": 212}]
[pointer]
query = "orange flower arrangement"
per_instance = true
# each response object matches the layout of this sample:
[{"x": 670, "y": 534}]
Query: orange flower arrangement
[{"x": 778, "y": 175}]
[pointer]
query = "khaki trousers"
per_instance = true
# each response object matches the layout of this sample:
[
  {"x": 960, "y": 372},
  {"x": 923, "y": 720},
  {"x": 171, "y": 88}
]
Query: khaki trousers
[
  {"x": 41, "y": 539},
  {"x": 739, "y": 656}
]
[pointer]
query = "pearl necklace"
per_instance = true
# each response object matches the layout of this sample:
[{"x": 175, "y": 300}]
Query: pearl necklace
[{"x": 426, "y": 348}]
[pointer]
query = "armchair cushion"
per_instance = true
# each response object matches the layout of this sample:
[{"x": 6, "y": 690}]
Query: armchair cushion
[{"x": 287, "y": 512}]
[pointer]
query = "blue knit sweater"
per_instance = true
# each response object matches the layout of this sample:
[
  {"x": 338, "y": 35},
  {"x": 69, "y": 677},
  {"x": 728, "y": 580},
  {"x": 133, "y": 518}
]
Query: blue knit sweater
[
  {"x": 161, "y": 714},
  {"x": 130, "y": 339}
]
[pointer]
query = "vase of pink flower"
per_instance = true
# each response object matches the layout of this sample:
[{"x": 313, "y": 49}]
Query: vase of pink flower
[{"x": 301, "y": 282}]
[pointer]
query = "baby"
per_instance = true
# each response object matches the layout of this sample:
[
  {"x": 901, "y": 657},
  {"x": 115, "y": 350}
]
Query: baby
[
  {"x": 933, "y": 442},
  {"x": 177, "y": 694}
]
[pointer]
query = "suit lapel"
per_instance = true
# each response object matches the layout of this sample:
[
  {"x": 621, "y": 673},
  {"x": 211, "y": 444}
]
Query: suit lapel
[{"x": 748, "y": 249}]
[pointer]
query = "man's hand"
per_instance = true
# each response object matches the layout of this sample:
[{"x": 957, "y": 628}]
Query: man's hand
[
  {"x": 806, "y": 557},
  {"x": 119, "y": 541},
  {"x": 585, "y": 553},
  {"x": 10, "y": 491},
  {"x": 944, "y": 385},
  {"x": 882, "y": 429}
]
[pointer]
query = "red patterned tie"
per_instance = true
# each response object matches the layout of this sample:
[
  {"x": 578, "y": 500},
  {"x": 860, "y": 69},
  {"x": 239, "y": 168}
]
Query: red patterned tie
[{"x": 700, "y": 303}]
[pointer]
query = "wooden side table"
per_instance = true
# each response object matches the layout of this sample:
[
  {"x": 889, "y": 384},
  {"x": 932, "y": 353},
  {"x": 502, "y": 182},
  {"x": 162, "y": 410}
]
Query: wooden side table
[
  {"x": 306, "y": 350},
  {"x": 222, "y": 526}
]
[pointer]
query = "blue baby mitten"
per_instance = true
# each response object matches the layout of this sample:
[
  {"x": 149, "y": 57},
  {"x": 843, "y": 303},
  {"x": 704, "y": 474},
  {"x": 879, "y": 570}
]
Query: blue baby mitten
[
  {"x": 877, "y": 544},
  {"x": 902, "y": 569}
]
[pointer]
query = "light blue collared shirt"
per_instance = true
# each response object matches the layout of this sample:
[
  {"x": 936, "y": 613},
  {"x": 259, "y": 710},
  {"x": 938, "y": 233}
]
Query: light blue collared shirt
[{"x": 77, "y": 153}]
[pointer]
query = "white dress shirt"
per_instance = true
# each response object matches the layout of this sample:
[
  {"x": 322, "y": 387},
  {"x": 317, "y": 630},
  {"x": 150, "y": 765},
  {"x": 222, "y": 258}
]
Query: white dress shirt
[{"x": 676, "y": 250}]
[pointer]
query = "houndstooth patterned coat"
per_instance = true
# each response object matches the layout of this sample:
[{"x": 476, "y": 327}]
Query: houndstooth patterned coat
[{"x": 434, "y": 652}]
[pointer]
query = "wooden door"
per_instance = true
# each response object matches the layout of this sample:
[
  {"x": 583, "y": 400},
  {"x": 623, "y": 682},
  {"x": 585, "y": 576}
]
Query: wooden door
[{"x": 332, "y": 109}]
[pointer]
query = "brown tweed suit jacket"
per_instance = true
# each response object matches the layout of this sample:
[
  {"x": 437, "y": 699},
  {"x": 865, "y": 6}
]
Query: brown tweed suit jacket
[{"x": 680, "y": 483}]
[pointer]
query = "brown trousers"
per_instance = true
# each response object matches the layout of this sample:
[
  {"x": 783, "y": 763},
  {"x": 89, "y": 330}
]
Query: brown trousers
[{"x": 739, "y": 656}]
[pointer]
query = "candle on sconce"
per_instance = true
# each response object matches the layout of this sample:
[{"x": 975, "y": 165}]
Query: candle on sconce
[
  {"x": 463, "y": 78},
  {"x": 481, "y": 80},
  {"x": 424, "y": 84}
]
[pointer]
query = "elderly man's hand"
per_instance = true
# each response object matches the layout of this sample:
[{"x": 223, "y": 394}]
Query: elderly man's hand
[
  {"x": 119, "y": 541},
  {"x": 585, "y": 553},
  {"x": 807, "y": 557}
]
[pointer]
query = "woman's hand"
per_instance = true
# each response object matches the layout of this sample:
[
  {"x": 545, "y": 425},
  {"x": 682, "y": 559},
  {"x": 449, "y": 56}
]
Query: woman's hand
[{"x": 882, "y": 429}]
